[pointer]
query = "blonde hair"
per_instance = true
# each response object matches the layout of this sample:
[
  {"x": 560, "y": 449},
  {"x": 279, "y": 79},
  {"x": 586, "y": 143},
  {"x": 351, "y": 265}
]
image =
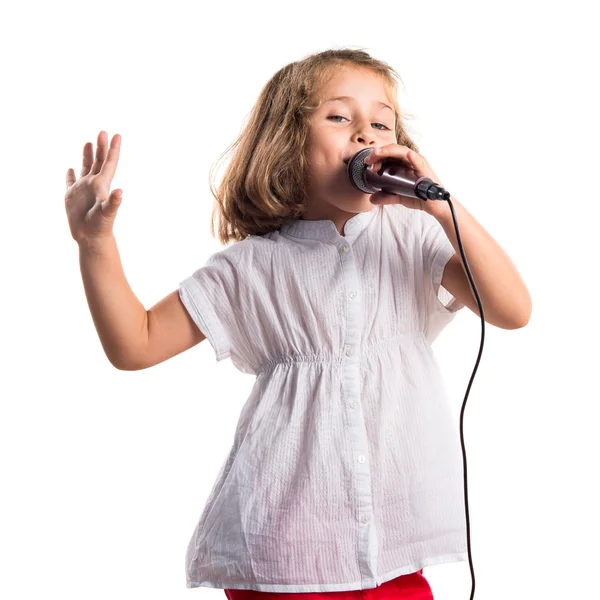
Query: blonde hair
[{"x": 264, "y": 183}]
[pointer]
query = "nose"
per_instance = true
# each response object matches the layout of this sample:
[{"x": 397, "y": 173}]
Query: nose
[
  {"x": 365, "y": 136},
  {"x": 367, "y": 140},
  {"x": 363, "y": 141}
]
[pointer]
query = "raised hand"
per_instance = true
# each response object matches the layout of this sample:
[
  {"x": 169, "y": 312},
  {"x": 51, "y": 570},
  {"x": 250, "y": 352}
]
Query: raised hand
[{"x": 91, "y": 207}]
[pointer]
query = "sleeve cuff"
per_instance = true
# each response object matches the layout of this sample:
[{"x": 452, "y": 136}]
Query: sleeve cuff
[
  {"x": 440, "y": 260},
  {"x": 197, "y": 304}
]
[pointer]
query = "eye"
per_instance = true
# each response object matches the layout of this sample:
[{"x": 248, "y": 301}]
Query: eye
[{"x": 340, "y": 116}]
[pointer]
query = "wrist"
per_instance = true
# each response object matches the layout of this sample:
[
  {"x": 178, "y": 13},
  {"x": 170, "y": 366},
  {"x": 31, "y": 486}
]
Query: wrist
[
  {"x": 440, "y": 209},
  {"x": 95, "y": 244}
]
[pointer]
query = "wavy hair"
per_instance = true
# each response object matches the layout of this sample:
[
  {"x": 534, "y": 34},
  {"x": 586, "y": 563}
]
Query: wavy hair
[{"x": 264, "y": 182}]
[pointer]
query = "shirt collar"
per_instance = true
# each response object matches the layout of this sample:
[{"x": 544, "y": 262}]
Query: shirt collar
[{"x": 325, "y": 229}]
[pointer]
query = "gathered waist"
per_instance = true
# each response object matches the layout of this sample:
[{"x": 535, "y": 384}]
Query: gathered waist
[{"x": 334, "y": 358}]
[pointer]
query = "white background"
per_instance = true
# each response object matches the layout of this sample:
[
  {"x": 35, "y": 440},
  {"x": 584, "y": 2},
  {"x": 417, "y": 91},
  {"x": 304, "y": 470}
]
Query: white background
[{"x": 104, "y": 473}]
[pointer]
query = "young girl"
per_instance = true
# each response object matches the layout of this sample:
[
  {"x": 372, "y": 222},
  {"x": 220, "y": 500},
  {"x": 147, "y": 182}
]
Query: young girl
[{"x": 345, "y": 474}]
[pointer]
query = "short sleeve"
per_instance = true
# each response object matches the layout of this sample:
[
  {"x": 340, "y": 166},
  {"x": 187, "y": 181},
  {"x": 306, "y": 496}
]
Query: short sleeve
[
  {"x": 211, "y": 295},
  {"x": 442, "y": 306}
]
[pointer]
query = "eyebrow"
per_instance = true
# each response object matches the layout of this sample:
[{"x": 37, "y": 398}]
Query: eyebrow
[{"x": 382, "y": 104}]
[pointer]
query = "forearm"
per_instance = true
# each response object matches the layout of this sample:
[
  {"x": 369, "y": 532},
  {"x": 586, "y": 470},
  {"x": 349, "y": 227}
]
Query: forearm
[
  {"x": 504, "y": 295},
  {"x": 119, "y": 317}
]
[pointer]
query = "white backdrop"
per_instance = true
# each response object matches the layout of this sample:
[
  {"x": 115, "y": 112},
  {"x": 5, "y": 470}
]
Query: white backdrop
[{"x": 104, "y": 473}]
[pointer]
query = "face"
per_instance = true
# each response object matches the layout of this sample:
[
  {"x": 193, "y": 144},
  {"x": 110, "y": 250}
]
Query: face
[{"x": 338, "y": 130}]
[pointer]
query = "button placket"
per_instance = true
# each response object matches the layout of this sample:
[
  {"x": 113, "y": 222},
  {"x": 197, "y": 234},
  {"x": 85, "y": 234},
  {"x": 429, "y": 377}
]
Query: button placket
[{"x": 352, "y": 387}]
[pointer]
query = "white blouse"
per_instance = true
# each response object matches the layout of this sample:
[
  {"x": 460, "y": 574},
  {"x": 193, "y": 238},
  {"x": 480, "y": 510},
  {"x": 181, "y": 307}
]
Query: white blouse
[{"x": 346, "y": 465}]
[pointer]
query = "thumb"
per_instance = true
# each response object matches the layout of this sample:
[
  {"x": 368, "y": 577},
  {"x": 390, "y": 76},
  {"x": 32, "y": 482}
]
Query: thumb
[{"x": 110, "y": 206}]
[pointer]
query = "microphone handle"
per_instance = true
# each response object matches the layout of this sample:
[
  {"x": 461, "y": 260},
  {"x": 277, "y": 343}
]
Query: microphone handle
[{"x": 394, "y": 178}]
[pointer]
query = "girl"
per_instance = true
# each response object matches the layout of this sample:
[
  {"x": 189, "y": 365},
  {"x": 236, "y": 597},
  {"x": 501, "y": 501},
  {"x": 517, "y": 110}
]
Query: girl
[{"x": 345, "y": 474}]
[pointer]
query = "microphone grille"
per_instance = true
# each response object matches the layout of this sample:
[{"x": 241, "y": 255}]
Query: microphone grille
[{"x": 357, "y": 171}]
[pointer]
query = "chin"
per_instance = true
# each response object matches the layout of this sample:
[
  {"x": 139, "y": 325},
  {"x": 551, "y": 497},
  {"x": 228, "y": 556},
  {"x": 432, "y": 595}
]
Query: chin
[{"x": 352, "y": 200}]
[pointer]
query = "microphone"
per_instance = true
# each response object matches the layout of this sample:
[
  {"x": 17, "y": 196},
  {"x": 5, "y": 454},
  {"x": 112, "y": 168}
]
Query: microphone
[{"x": 394, "y": 177}]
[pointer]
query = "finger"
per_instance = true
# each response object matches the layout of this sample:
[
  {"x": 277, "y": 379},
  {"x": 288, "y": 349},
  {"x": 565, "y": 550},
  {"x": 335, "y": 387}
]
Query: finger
[
  {"x": 88, "y": 157},
  {"x": 70, "y": 178},
  {"x": 369, "y": 159},
  {"x": 110, "y": 206},
  {"x": 395, "y": 150},
  {"x": 101, "y": 150},
  {"x": 374, "y": 166},
  {"x": 389, "y": 151},
  {"x": 110, "y": 164}
]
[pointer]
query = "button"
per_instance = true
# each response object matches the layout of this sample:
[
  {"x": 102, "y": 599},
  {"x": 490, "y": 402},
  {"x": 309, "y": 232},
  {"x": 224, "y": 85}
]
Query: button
[
  {"x": 352, "y": 294},
  {"x": 361, "y": 459},
  {"x": 349, "y": 352},
  {"x": 366, "y": 518},
  {"x": 351, "y": 404},
  {"x": 345, "y": 248}
]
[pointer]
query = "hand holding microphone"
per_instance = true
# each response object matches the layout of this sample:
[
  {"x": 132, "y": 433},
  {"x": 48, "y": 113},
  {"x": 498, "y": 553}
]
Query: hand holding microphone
[{"x": 396, "y": 174}]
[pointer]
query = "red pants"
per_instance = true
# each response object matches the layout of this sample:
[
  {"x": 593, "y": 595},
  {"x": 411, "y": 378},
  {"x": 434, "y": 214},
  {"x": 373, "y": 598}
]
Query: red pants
[{"x": 413, "y": 586}]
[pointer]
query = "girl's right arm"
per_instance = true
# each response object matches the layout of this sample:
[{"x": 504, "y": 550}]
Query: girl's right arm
[{"x": 132, "y": 337}]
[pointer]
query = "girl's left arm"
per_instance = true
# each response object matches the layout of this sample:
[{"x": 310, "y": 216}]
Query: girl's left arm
[{"x": 505, "y": 299}]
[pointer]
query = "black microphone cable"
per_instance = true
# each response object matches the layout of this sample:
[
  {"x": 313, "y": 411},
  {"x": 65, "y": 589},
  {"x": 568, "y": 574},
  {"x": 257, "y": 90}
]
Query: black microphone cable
[{"x": 395, "y": 178}]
